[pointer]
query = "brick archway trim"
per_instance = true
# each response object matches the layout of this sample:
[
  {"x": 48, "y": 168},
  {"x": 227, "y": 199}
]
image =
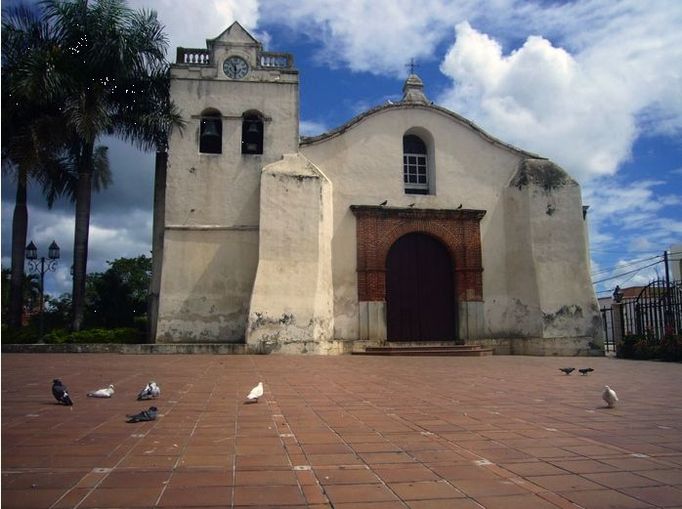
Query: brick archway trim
[{"x": 377, "y": 228}]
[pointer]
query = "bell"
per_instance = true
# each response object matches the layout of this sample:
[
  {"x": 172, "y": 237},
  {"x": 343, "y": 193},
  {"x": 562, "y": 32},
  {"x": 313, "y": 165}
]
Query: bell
[{"x": 210, "y": 129}]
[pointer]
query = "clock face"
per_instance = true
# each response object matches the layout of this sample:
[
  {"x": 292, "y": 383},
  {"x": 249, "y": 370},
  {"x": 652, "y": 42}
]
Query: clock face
[{"x": 235, "y": 67}]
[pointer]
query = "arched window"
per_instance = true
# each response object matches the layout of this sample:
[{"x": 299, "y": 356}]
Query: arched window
[
  {"x": 415, "y": 165},
  {"x": 211, "y": 132},
  {"x": 252, "y": 133}
]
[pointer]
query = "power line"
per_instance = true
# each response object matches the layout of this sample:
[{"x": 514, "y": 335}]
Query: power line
[
  {"x": 626, "y": 273},
  {"x": 625, "y": 265}
]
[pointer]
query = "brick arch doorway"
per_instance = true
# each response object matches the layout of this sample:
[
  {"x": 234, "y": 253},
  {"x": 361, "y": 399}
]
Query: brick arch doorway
[{"x": 420, "y": 295}]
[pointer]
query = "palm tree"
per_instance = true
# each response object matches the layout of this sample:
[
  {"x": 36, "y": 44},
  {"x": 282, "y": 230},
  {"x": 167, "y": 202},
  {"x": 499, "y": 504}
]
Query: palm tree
[
  {"x": 109, "y": 50},
  {"x": 33, "y": 139},
  {"x": 30, "y": 125}
]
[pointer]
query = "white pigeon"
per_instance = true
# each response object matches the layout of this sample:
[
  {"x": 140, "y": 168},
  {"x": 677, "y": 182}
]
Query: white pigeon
[
  {"x": 609, "y": 395},
  {"x": 152, "y": 390},
  {"x": 102, "y": 393},
  {"x": 255, "y": 393}
]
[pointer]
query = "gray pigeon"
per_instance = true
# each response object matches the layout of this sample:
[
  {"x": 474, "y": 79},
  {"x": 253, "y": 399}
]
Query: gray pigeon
[
  {"x": 60, "y": 392},
  {"x": 585, "y": 371},
  {"x": 151, "y": 391},
  {"x": 568, "y": 371},
  {"x": 144, "y": 415}
]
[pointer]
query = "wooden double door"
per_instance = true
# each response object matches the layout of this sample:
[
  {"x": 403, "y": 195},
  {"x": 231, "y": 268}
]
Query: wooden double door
[{"x": 420, "y": 293}]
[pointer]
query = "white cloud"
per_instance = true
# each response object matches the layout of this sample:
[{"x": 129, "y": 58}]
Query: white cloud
[
  {"x": 634, "y": 221},
  {"x": 190, "y": 23},
  {"x": 377, "y": 36},
  {"x": 584, "y": 107},
  {"x": 312, "y": 128}
]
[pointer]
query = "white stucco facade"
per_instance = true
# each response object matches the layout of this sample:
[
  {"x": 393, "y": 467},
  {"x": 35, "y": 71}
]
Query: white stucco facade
[{"x": 287, "y": 250}]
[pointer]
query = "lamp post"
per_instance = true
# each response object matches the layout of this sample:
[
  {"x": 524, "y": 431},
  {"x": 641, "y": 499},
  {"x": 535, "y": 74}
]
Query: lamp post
[{"x": 41, "y": 266}]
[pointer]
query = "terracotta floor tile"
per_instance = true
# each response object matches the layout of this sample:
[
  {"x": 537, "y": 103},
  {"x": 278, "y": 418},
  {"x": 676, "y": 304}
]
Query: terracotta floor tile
[
  {"x": 333, "y": 459},
  {"x": 121, "y": 497},
  {"x": 204, "y": 496},
  {"x": 533, "y": 468},
  {"x": 660, "y": 496},
  {"x": 135, "y": 479},
  {"x": 189, "y": 478},
  {"x": 266, "y": 478},
  {"x": 663, "y": 476},
  {"x": 260, "y": 461},
  {"x": 563, "y": 482},
  {"x": 340, "y": 493},
  {"x": 203, "y": 460},
  {"x": 425, "y": 490},
  {"x": 460, "y": 472},
  {"x": 377, "y": 458},
  {"x": 371, "y": 505},
  {"x": 264, "y": 495},
  {"x": 622, "y": 479},
  {"x": 30, "y": 499},
  {"x": 453, "y": 503},
  {"x": 404, "y": 473},
  {"x": 383, "y": 411},
  {"x": 345, "y": 476},
  {"x": 605, "y": 499},
  {"x": 584, "y": 466},
  {"x": 487, "y": 487},
  {"x": 41, "y": 480},
  {"x": 528, "y": 501}
]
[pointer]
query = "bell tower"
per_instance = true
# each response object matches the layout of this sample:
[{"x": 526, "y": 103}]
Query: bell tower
[{"x": 241, "y": 108}]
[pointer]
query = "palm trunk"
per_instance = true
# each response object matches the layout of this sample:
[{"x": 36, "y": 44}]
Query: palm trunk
[
  {"x": 81, "y": 233},
  {"x": 19, "y": 228},
  {"x": 158, "y": 228}
]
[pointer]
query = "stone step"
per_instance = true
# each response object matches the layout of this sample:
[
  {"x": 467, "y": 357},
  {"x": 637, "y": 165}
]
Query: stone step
[{"x": 428, "y": 350}]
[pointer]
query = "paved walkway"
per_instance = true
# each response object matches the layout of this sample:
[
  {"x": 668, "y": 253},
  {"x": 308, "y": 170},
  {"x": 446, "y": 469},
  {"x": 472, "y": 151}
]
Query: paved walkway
[{"x": 342, "y": 432}]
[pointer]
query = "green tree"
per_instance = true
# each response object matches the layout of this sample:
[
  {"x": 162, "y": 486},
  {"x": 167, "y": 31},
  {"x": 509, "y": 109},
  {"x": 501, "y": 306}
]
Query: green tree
[{"x": 118, "y": 296}]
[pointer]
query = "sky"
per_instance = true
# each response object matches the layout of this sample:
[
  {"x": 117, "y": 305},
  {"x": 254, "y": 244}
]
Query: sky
[{"x": 594, "y": 85}]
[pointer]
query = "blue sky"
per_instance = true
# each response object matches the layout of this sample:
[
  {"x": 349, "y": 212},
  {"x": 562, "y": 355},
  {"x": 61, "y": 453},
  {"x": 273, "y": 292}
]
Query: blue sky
[{"x": 594, "y": 85}]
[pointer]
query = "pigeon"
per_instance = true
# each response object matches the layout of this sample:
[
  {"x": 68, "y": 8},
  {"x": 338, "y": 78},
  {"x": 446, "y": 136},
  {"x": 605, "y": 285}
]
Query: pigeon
[
  {"x": 144, "y": 415},
  {"x": 568, "y": 371},
  {"x": 102, "y": 393},
  {"x": 609, "y": 395},
  {"x": 60, "y": 392},
  {"x": 383, "y": 203},
  {"x": 460, "y": 206},
  {"x": 255, "y": 393},
  {"x": 411, "y": 205},
  {"x": 585, "y": 371},
  {"x": 151, "y": 391}
]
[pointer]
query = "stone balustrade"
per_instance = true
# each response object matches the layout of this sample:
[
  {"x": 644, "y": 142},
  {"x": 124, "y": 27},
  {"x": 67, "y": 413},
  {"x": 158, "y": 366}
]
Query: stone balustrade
[
  {"x": 193, "y": 56},
  {"x": 276, "y": 60}
]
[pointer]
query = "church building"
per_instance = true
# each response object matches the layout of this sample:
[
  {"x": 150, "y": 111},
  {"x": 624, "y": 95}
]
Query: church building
[{"x": 408, "y": 223}]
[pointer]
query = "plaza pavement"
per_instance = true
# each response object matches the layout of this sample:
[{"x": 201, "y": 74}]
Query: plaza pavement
[{"x": 344, "y": 432}]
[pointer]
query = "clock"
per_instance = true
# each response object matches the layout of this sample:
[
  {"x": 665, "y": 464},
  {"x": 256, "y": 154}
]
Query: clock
[{"x": 235, "y": 67}]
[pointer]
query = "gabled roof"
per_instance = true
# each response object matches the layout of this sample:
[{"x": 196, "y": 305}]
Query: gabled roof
[
  {"x": 235, "y": 33},
  {"x": 310, "y": 140},
  {"x": 414, "y": 98}
]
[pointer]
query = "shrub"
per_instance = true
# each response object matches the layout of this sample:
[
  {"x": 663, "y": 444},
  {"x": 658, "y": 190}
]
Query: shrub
[
  {"x": 669, "y": 348},
  {"x": 125, "y": 335}
]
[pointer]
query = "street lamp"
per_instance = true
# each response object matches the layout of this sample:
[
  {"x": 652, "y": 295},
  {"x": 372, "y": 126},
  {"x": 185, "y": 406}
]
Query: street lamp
[{"x": 41, "y": 266}]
